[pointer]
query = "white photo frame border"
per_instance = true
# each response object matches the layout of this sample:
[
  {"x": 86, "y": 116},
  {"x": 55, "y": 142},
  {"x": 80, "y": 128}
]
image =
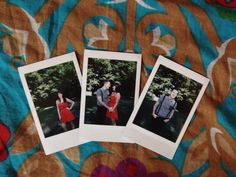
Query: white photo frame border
[
  {"x": 107, "y": 133},
  {"x": 63, "y": 140},
  {"x": 153, "y": 141}
]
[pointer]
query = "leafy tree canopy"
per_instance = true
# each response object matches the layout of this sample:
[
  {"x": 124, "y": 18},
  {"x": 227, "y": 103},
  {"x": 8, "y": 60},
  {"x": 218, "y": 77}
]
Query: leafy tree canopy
[
  {"x": 120, "y": 72},
  {"x": 44, "y": 84},
  {"x": 166, "y": 79}
]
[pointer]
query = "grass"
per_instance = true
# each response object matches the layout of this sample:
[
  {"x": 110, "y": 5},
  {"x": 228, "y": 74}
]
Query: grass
[
  {"x": 125, "y": 108},
  {"x": 50, "y": 123},
  {"x": 170, "y": 131}
]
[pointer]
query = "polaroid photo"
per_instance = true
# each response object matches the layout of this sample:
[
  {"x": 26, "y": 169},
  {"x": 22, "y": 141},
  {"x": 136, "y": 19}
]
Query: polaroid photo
[
  {"x": 165, "y": 107},
  {"x": 53, "y": 91},
  {"x": 110, "y": 90}
]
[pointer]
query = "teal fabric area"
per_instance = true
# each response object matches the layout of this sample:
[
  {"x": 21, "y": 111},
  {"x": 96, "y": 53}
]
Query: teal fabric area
[
  {"x": 52, "y": 27},
  {"x": 226, "y": 114},
  {"x": 31, "y": 8},
  {"x": 208, "y": 52},
  {"x": 153, "y": 6},
  {"x": 120, "y": 7},
  {"x": 13, "y": 104},
  {"x": 225, "y": 26}
]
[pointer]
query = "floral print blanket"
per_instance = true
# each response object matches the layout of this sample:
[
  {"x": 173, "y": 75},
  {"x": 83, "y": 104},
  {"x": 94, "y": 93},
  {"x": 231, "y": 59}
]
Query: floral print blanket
[{"x": 199, "y": 34}]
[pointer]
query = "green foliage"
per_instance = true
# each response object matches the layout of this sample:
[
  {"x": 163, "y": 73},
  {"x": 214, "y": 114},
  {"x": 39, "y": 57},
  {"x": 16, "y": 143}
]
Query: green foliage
[
  {"x": 120, "y": 72},
  {"x": 44, "y": 84},
  {"x": 226, "y": 12},
  {"x": 167, "y": 79}
]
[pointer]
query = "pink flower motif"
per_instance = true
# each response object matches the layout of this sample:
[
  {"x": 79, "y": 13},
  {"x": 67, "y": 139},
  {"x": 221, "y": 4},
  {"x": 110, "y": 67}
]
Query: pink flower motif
[
  {"x": 226, "y": 3},
  {"x": 130, "y": 167},
  {"x": 103, "y": 171},
  {"x": 5, "y": 135}
]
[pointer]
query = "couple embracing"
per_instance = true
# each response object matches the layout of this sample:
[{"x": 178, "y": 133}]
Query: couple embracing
[{"x": 107, "y": 102}]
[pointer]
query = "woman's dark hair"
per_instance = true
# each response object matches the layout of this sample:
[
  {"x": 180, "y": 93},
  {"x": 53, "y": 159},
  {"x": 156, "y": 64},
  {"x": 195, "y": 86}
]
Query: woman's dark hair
[
  {"x": 63, "y": 95},
  {"x": 117, "y": 88}
]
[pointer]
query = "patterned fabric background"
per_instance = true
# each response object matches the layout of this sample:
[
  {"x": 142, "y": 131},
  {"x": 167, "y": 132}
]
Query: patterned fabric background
[{"x": 200, "y": 34}]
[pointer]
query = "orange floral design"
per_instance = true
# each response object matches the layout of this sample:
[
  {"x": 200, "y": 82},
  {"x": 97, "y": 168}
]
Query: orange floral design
[
  {"x": 26, "y": 136},
  {"x": 216, "y": 143},
  {"x": 118, "y": 152},
  {"x": 41, "y": 165}
]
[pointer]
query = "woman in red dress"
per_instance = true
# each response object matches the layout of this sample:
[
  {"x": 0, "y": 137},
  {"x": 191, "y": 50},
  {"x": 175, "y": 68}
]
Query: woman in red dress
[
  {"x": 64, "y": 113},
  {"x": 113, "y": 101}
]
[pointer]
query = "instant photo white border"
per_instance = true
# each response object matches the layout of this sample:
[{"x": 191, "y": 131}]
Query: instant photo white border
[
  {"x": 63, "y": 140},
  {"x": 109, "y": 133},
  {"x": 148, "y": 139}
]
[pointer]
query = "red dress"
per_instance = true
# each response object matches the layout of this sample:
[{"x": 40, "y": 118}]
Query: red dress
[
  {"x": 65, "y": 113},
  {"x": 111, "y": 103}
]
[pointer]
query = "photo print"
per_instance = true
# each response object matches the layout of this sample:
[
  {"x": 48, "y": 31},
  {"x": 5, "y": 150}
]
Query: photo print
[
  {"x": 53, "y": 90},
  {"x": 166, "y": 106},
  {"x": 110, "y": 90}
]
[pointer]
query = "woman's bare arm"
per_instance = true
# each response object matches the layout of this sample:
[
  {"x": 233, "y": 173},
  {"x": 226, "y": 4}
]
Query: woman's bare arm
[{"x": 71, "y": 102}]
